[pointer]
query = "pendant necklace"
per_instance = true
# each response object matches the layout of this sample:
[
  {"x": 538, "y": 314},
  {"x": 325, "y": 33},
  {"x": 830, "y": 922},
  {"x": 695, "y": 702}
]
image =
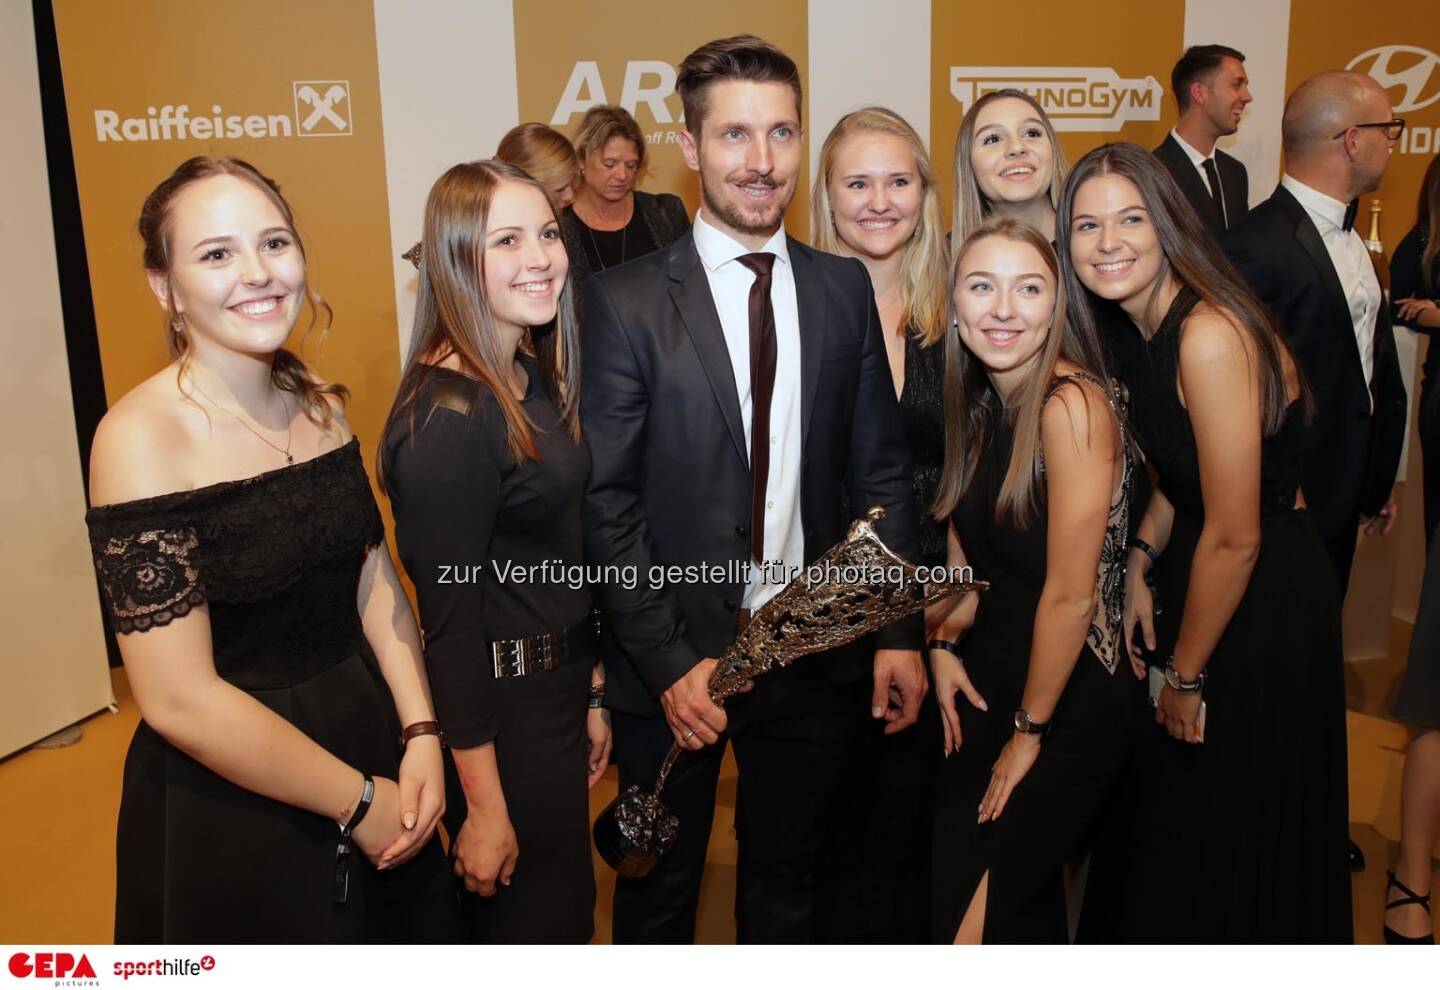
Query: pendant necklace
[
  {"x": 289, "y": 459},
  {"x": 624, "y": 233}
]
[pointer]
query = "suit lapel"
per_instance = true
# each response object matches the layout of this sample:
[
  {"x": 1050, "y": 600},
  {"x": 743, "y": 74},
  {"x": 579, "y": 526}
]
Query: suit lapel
[
  {"x": 810, "y": 301},
  {"x": 1310, "y": 239},
  {"x": 1194, "y": 186},
  {"x": 690, "y": 290}
]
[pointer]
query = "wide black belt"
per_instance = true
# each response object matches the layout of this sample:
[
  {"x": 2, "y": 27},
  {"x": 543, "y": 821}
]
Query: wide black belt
[{"x": 547, "y": 651}]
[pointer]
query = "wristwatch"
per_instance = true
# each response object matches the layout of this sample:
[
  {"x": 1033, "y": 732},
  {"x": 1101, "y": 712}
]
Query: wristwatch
[
  {"x": 1025, "y": 724},
  {"x": 1178, "y": 683}
]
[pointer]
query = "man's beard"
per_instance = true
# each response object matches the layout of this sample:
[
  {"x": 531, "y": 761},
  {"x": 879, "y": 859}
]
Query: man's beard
[{"x": 737, "y": 220}]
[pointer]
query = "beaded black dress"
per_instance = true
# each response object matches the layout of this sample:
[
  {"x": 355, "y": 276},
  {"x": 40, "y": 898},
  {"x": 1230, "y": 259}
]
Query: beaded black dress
[
  {"x": 276, "y": 559},
  {"x": 1052, "y": 811},
  {"x": 1242, "y": 838}
]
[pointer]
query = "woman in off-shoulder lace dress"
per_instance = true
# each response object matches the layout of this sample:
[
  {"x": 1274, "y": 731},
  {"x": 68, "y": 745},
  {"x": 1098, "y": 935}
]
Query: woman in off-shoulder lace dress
[{"x": 268, "y": 793}]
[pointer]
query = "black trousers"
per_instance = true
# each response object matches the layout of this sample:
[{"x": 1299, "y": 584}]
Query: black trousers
[{"x": 789, "y": 736}]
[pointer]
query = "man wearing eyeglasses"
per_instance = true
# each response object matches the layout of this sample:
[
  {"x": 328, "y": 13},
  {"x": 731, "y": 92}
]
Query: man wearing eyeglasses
[{"x": 1302, "y": 256}]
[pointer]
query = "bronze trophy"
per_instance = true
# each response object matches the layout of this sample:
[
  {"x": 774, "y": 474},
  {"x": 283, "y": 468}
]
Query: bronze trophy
[{"x": 821, "y": 610}]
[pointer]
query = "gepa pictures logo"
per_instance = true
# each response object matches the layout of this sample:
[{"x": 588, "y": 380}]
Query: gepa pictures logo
[
  {"x": 1415, "y": 72},
  {"x": 1075, "y": 98},
  {"x": 321, "y": 108},
  {"x": 51, "y": 966}
]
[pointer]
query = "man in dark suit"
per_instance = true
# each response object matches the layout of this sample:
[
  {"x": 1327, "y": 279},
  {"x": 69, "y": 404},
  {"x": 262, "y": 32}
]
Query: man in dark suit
[
  {"x": 1303, "y": 257},
  {"x": 1212, "y": 91},
  {"x": 735, "y": 389}
]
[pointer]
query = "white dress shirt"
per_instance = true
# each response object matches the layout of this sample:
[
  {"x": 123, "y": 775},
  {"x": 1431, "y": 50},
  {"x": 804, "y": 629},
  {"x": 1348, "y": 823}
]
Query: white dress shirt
[
  {"x": 1199, "y": 160},
  {"x": 730, "y": 283},
  {"x": 1352, "y": 264}
]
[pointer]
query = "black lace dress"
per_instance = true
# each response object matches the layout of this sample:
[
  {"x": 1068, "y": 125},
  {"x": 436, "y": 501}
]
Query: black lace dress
[
  {"x": 276, "y": 559},
  {"x": 1049, "y": 816},
  {"x": 1242, "y": 838}
]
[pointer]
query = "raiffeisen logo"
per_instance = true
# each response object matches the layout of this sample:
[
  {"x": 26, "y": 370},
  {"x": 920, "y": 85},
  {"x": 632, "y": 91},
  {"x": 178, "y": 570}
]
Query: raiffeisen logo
[
  {"x": 1075, "y": 98},
  {"x": 321, "y": 109}
]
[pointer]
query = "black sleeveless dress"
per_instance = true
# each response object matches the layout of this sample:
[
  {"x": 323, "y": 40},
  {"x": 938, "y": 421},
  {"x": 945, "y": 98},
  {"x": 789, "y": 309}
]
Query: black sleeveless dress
[
  {"x": 1243, "y": 837},
  {"x": 1050, "y": 814},
  {"x": 277, "y": 560}
]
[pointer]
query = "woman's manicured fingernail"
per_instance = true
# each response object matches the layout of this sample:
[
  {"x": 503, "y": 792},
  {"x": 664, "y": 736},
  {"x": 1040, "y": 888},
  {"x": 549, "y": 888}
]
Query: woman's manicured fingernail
[
  {"x": 409, "y": 821},
  {"x": 876, "y": 712}
]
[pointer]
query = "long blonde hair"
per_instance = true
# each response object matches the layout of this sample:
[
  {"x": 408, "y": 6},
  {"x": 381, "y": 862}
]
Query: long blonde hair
[
  {"x": 542, "y": 151},
  {"x": 971, "y": 405},
  {"x": 923, "y": 265},
  {"x": 971, "y": 206},
  {"x": 452, "y": 314},
  {"x": 288, "y": 371}
]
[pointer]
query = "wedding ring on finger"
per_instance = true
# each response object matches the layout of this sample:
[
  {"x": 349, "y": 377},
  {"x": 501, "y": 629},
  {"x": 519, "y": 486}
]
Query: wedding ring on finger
[{"x": 690, "y": 734}]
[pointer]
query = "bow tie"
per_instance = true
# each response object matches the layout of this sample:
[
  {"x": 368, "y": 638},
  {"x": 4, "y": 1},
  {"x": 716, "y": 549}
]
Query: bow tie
[{"x": 1350, "y": 212}]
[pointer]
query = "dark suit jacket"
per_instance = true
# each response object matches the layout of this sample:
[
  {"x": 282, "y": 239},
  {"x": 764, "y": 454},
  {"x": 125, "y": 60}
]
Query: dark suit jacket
[
  {"x": 1234, "y": 184},
  {"x": 1354, "y": 452},
  {"x": 671, "y": 477}
]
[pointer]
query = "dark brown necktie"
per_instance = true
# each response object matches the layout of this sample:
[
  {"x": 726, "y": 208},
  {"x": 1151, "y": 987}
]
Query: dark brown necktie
[
  {"x": 762, "y": 386},
  {"x": 1213, "y": 175}
]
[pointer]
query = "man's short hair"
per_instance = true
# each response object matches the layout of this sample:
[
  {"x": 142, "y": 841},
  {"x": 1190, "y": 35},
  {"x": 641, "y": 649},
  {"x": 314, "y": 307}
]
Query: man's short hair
[
  {"x": 743, "y": 57},
  {"x": 1198, "y": 64}
]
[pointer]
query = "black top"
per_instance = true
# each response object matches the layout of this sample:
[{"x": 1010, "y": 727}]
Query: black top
[
  {"x": 1014, "y": 558},
  {"x": 472, "y": 527},
  {"x": 608, "y": 248},
  {"x": 922, "y": 415},
  {"x": 657, "y": 222},
  {"x": 276, "y": 559},
  {"x": 1165, "y": 432},
  {"x": 1407, "y": 280}
]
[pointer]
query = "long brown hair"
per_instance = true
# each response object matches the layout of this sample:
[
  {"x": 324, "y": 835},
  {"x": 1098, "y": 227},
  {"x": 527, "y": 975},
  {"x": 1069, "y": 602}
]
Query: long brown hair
[
  {"x": 1427, "y": 218},
  {"x": 288, "y": 372},
  {"x": 971, "y": 405},
  {"x": 1192, "y": 254},
  {"x": 923, "y": 263},
  {"x": 971, "y": 206},
  {"x": 452, "y": 315}
]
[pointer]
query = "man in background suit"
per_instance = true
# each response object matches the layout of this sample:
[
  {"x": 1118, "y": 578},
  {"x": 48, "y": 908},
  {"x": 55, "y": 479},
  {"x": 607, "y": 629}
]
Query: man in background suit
[
  {"x": 1302, "y": 256},
  {"x": 735, "y": 384},
  {"x": 1212, "y": 91}
]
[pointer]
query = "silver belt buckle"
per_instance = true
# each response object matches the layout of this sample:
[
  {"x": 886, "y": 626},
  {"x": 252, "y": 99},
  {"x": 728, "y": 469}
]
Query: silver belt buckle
[{"x": 531, "y": 655}]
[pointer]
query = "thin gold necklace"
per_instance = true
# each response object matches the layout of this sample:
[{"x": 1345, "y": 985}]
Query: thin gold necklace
[{"x": 289, "y": 459}]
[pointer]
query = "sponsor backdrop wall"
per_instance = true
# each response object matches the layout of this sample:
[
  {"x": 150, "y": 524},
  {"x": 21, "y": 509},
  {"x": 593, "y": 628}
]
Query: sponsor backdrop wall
[{"x": 359, "y": 104}]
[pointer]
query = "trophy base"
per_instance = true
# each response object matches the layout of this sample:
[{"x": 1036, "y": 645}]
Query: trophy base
[{"x": 633, "y": 832}]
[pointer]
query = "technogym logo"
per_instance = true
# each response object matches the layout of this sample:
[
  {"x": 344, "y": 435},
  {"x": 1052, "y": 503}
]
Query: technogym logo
[
  {"x": 1076, "y": 99},
  {"x": 321, "y": 108}
]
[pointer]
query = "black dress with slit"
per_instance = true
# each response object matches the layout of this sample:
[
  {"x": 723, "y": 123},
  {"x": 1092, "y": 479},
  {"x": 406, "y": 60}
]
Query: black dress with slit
[
  {"x": 1242, "y": 838},
  {"x": 1051, "y": 812},
  {"x": 276, "y": 560}
]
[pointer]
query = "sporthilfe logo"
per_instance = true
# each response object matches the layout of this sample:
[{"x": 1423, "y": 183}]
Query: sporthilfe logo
[{"x": 1075, "y": 98}]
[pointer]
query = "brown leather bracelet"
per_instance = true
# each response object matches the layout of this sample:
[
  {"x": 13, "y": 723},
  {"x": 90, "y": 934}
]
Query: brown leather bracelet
[{"x": 421, "y": 729}]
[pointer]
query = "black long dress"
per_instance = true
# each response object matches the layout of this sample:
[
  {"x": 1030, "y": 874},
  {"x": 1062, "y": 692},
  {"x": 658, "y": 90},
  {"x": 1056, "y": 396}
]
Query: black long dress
[
  {"x": 276, "y": 558},
  {"x": 881, "y": 886},
  {"x": 469, "y": 522},
  {"x": 1243, "y": 837},
  {"x": 1050, "y": 814}
]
